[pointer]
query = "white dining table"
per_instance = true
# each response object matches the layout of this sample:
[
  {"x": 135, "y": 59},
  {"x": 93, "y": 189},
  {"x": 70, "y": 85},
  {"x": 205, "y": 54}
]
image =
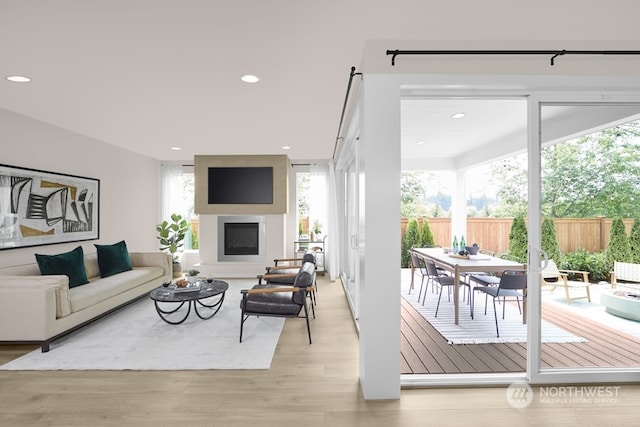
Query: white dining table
[{"x": 457, "y": 264}]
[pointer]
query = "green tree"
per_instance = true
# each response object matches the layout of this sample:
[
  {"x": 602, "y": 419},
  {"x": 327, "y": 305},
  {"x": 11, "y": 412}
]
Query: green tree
[
  {"x": 518, "y": 239},
  {"x": 512, "y": 191},
  {"x": 594, "y": 175},
  {"x": 549, "y": 241},
  {"x": 412, "y": 194},
  {"x": 634, "y": 241},
  {"x": 410, "y": 241},
  {"x": 426, "y": 236},
  {"x": 618, "y": 248}
]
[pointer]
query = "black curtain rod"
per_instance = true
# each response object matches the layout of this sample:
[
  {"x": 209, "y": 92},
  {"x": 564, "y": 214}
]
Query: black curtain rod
[
  {"x": 344, "y": 108},
  {"x": 555, "y": 53}
]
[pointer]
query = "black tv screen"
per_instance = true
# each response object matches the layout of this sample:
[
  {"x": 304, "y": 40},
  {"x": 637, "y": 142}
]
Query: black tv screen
[{"x": 240, "y": 185}]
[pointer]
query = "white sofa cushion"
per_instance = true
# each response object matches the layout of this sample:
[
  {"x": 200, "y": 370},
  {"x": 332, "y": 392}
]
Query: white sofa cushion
[
  {"x": 59, "y": 282},
  {"x": 104, "y": 288}
]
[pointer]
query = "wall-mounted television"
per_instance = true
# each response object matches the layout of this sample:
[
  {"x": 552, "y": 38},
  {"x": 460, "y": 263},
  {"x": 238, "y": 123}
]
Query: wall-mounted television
[{"x": 240, "y": 185}]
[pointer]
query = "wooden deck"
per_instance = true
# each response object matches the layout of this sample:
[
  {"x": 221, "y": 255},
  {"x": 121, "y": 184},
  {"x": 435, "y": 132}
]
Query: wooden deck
[{"x": 425, "y": 351}]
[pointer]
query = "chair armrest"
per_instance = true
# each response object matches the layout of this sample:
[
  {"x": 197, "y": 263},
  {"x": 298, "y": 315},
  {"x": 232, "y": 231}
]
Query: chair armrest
[
  {"x": 277, "y": 276},
  {"x": 584, "y": 274},
  {"x": 274, "y": 276},
  {"x": 282, "y": 267},
  {"x": 277, "y": 260}
]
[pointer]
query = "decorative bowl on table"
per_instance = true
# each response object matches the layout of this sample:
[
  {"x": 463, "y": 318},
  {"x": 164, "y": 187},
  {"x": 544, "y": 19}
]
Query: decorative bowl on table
[{"x": 472, "y": 250}]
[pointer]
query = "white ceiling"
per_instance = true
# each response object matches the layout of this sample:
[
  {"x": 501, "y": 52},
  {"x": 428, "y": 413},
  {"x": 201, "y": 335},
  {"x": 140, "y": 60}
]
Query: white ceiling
[{"x": 147, "y": 75}]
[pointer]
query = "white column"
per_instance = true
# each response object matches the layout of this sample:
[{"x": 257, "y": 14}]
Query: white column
[
  {"x": 458, "y": 206},
  {"x": 380, "y": 243}
]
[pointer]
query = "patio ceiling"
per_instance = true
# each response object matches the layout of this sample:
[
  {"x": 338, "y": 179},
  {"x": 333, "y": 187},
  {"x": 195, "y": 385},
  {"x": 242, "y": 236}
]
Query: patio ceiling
[{"x": 491, "y": 128}]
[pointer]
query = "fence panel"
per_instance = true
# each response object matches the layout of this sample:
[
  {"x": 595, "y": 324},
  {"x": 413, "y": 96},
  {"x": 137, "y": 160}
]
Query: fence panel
[{"x": 591, "y": 234}]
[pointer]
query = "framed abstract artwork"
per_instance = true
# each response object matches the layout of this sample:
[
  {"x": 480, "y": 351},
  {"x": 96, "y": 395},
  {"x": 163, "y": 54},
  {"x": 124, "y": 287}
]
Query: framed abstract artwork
[{"x": 40, "y": 208}]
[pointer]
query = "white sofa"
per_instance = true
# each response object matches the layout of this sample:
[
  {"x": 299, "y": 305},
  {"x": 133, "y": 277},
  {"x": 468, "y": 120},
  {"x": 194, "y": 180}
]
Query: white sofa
[{"x": 36, "y": 308}]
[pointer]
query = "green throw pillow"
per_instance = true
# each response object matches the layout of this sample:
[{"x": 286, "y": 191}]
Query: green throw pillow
[
  {"x": 113, "y": 259},
  {"x": 69, "y": 263}
]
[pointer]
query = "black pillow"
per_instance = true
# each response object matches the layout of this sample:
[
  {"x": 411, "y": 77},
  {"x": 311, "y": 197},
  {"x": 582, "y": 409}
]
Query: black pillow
[
  {"x": 113, "y": 259},
  {"x": 70, "y": 264}
]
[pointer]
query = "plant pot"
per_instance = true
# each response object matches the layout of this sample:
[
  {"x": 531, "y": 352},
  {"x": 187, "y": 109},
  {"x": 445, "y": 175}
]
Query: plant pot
[
  {"x": 192, "y": 279},
  {"x": 177, "y": 270}
]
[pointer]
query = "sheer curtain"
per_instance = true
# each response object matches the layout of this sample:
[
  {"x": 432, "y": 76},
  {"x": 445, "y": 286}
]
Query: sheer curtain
[
  {"x": 323, "y": 208},
  {"x": 171, "y": 190}
]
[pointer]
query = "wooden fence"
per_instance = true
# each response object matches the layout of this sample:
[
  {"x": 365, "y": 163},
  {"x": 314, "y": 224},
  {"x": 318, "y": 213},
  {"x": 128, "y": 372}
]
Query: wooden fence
[{"x": 591, "y": 234}]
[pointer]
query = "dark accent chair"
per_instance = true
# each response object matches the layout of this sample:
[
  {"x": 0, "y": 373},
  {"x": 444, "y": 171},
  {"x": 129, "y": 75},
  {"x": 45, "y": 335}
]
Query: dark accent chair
[
  {"x": 277, "y": 300},
  {"x": 286, "y": 274}
]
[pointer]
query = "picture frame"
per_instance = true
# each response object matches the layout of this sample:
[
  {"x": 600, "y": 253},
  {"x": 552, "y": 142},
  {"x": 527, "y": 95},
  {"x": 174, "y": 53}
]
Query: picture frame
[{"x": 39, "y": 207}]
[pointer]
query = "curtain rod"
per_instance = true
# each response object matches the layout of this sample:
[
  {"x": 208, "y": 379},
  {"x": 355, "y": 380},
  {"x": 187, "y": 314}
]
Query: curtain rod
[
  {"x": 555, "y": 53},
  {"x": 344, "y": 109}
]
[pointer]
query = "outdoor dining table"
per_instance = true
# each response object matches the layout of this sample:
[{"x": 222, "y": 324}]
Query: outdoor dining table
[{"x": 457, "y": 264}]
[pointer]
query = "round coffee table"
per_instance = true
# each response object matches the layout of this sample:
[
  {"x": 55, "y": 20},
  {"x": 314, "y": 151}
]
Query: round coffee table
[{"x": 194, "y": 298}]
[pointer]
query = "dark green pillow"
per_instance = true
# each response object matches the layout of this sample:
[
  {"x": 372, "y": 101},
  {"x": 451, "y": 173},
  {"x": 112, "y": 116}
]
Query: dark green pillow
[
  {"x": 69, "y": 263},
  {"x": 113, "y": 259}
]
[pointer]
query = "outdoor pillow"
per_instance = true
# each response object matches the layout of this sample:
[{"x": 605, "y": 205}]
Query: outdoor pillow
[
  {"x": 113, "y": 259},
  {"x": 70, "y": 264}
]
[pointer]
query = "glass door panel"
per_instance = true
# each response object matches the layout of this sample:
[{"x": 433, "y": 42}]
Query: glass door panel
[{"x": 589, "y": 194}]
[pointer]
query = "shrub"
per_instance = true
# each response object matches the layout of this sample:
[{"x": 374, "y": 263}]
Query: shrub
[
  {"x": 550, "y": 240},
  {"x": 595, "y": 264},
  {"x": 518, "y": 239},
  {"x": 618, "y": 248},
  {"x": 426, "y": 236},
  {"x": 411, "y": 240},
  {"x": 634, "y": 241}
]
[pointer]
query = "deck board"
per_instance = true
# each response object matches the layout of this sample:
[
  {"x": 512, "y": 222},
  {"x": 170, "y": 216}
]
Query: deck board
[{"x": 425, "y": 351}]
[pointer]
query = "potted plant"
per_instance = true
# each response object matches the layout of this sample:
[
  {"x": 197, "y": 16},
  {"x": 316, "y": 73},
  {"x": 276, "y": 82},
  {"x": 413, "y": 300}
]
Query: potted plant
[
  {"x": 317, "y": 229},
  {"x": 192, "y": 275},
  {"x": 171, "y": 236}
]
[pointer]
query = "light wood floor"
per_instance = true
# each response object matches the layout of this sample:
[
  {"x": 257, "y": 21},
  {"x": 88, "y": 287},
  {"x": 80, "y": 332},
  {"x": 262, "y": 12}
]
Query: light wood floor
[{"x": 308, "y": 385}]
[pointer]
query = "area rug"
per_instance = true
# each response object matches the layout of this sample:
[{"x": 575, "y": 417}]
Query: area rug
[
  {"x": 135, "y": 338},
  {"x": 481, "y": 329}
]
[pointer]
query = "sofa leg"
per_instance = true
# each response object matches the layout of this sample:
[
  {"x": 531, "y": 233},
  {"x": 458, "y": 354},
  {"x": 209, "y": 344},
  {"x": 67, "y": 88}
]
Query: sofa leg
[{"x": 45, "y": 346}]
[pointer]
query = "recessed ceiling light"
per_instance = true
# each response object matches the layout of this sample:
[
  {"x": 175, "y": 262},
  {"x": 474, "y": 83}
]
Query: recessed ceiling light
[
  {"x": 420, "y": 142},
  {"x": 176, "y": 148},
  {"x": 19, "y": 79},
  {"x": 458, "y": 115},
  {"x": 250, "y": 78},
  {"x": 286, "y": 147}
]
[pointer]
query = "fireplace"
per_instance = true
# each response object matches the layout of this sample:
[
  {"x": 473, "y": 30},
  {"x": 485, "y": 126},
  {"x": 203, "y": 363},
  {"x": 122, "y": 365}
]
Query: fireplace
[{"x": 241, "y": 238}]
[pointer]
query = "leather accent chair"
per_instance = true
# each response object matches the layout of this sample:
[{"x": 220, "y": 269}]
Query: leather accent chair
[{"x": 277, "y": 300}]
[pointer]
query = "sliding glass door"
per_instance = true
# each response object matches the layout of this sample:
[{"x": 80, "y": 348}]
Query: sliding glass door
[{"x": 584, "y": 158}]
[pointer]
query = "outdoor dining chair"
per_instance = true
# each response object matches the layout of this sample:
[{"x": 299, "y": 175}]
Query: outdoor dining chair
[
  {"x": 512, "y": 286},
  {"x": 444, "y": 281},
  {"x": 417, "y": 262}
]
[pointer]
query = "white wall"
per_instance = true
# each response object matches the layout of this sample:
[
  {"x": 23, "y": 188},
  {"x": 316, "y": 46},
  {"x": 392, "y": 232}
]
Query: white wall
[{"x": 129, "y": 182}]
